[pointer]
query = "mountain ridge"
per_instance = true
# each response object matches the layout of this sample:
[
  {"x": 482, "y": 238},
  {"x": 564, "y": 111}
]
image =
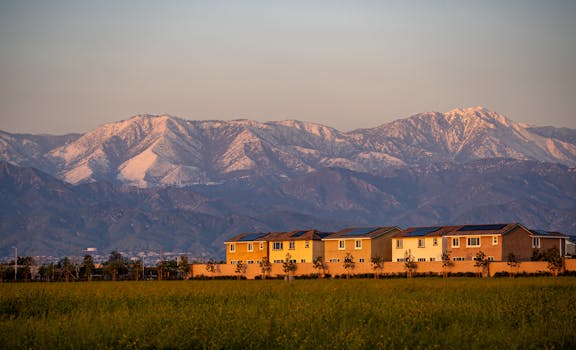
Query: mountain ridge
[
  {"x": 148, "y": 150},
  {"x": 47, "y": 216}
]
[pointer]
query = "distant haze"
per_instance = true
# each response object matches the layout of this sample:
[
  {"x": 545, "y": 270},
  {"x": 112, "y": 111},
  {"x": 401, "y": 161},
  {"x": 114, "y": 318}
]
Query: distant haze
[{"x": 69, "y": 66}]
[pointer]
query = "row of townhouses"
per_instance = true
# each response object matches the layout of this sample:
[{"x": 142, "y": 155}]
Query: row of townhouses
[{"x": 391, "y": 243}]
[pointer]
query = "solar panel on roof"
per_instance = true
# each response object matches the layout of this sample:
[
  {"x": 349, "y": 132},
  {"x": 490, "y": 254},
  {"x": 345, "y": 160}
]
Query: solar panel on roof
[
  {"x": 482, "y": 227},
  {"x": 299, "y": 233},
  {"x": 422, "y": 231},
  {"x": 361, "y": 231},
  {"x": 252, "y": 236},
  {"x": 541, "y": 232}
]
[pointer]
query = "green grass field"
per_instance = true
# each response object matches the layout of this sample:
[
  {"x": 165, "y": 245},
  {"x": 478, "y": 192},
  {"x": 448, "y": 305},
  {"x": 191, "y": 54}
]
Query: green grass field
[{"x": 523, "y": 313}]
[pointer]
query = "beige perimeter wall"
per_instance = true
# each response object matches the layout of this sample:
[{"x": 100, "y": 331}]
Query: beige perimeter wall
[{"x": 389, "y": 268}]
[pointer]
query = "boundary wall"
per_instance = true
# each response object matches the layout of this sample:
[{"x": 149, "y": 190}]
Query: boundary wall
[{"x": 302, "y": 269}]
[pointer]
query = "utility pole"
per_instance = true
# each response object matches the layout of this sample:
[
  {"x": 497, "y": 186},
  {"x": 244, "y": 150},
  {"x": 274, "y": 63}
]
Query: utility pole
[{"x": 15, "y": 262}]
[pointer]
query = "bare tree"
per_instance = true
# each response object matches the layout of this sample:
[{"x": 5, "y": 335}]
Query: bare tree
[
  {"x": 265, "y": 267},
  {"x": 240, "y": 269},
  {"x": 409, "y": 264},
  {"x": 349, "y": 264},
  {"x": 447, "y": 263},
  {"x": 318, "y": 265},
  {"x": 288, "y": 266},
  {"x": 211, "y": 267},
  {"x": 514, "y": 264},
  {"x": 377, "y": 265}
]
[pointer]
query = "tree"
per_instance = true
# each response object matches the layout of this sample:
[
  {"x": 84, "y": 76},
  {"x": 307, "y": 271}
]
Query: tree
[
  {"x": 65, "y": 267},
  {"x": 240, "y": 269},
  {"x": 265, "y": 267},
  {"x": 538, "y": 255},
  {"x": 481, "y": 263},
  {"x": 116, "y": 265},
  {"x": 3, "y": 269},
  {"x": 26, "y": 262},
  {"x": 513, "y": 262},
  {"x": 555, "y": 261},
  {"x": 161, "y": 268},
  {"x": 211, "y": 267},
  {"x": 288, "y": 266},
  {"x": 319, "y": 264},
  {"x": 447, "y": 263},
  {"x": 377, "y": 265},
  {"x": 184, "y": 266},
  {"x": 136, "y": 268},
  {"x": 348, "y": 264},
  {"x": 409, "y": 263},
  {"x": 88, "y": 264}
]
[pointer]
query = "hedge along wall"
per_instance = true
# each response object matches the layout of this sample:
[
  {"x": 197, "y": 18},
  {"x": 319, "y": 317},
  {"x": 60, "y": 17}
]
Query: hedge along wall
[{"x": 253, "y": 270}]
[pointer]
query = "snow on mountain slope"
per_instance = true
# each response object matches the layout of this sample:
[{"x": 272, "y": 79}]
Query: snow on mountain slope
[
  {"x": 463, "y": 135},
  {"x": 148, "y": 150}
]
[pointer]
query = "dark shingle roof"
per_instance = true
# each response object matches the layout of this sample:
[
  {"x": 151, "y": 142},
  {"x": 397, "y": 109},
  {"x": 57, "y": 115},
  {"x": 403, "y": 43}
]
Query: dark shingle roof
[{"x": 361, "y": 232}]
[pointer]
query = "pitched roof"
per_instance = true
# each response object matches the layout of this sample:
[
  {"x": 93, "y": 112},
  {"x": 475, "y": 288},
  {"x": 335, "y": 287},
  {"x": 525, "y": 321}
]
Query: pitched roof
[
  {"x": 481, "y": 230},
  {"x": 296, "y": 235},
  {"x": 248, "y": 237},
  {"x": 548, "y": 234},
  {"x": 361, "y": 232},
  {"x": 430, "y": 231}
]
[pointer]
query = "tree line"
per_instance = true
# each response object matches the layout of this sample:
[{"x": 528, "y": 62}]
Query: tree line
[{"x": 116, "y": 267}]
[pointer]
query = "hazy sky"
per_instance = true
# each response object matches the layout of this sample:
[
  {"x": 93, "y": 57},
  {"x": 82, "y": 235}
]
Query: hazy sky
[{"x": 69, "y": 66}]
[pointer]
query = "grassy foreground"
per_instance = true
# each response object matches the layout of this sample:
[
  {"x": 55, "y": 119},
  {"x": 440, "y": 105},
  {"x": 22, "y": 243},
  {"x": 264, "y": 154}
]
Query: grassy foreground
[{"x": 527, "y": 313}]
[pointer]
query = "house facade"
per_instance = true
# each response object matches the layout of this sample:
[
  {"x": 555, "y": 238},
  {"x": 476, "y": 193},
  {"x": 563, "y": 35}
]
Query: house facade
[
  {"x": 498, "y": 241},
  {"x": 362, "y": 243},
  {"x": 420, "y": 243},
  {"x": 249, "y": 248},
  {"x": 303, "y": 246}
]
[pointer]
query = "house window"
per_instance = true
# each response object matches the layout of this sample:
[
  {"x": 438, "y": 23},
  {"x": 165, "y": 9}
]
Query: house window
[
  {"x": 362, "y": 260},
  {"x": 490, "y": 258},
  {"x": 400, "y": 259},
  {"x": 292, "y": 245},
  {"x": 303, "y": 261},
  {"x": 278, "y": 261},
  {"x": 277, "y": 246},
  {"x": 293, "y": 261},
  {"x": 233, "y": 262},
  {"x": 432, "y": 259},
  {"x": 341, "y": 245},
  {"x": 399, "y": 244},
  {"x": 250, "y": 247},
  {"x": 435, "y": 241},
  {"x": 535, "y": 242},
  {"x": 458, "y": 258},
  {"x": 250, "y": 262},
  {"x": 421, "y": 243},
  {"x": 358, "y": 244},
  {"x": 261, "y": 245},
  {"x": 334, "y": 260},
  {"x": 495, "y": 240},
  {"x": 421, "y": 259},
  {"x": 456, "y": 242},
  {"x": 232, "y": 247},
  {"x": 473, "y": 242},
  {"x": 306, "y": 244}
]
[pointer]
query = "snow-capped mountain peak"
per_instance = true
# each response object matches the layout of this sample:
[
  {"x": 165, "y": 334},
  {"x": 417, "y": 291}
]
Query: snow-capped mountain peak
[{"x": 151, "y": 150}]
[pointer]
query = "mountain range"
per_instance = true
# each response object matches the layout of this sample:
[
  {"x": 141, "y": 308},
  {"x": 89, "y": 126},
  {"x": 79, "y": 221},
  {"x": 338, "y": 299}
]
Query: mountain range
[
  {"x": 148, "y": 151},
  {"x": 161, "y": 182}
]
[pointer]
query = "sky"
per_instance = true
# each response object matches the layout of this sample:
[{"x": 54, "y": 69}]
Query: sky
[{"x": 70, "y": 66}]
